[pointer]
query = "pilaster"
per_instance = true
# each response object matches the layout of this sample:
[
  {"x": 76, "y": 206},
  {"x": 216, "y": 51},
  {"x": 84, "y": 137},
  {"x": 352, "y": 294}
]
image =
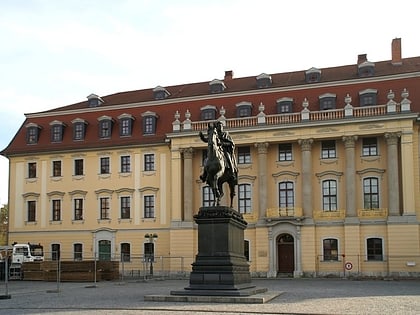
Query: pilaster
[
  {"x": 306, "y": 147},
  {"x": 349, "y": 145},
  {"x": 262, "y": 149},
  {"x": 187, "y": 154},
  {"x": 393, "y": 180}
]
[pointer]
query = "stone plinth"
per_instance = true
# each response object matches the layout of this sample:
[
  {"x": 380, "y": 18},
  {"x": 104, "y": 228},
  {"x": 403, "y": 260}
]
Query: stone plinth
[{"x": 220, "y": 267}]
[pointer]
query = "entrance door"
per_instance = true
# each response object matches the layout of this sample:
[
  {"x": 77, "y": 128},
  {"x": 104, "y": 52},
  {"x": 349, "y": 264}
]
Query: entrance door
[
  {"x": 104, "y": 250},
  {"x": 285, "y": 253}
]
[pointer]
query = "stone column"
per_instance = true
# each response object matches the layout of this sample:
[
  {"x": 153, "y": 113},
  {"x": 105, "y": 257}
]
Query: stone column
[
  {"x": 298, "y": 254},
  {"x": 175, "y": 201},
  {"x": 393, "y": 180},
  {"x": 262, "y": 178},
  {"x": 349, "y": 145},
  {"x": 306, "y": 146},
  {"x": 408, "y": 173},
  {"x": 188, "y": 184}
]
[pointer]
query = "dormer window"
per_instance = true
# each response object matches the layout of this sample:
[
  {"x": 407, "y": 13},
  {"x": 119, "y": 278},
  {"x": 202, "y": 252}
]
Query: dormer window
[
  {"x": 284, "y": 105},
  {"x": 149, "y": 123},
  {"x": 217, "y": 86},
  {"x": 160, "y": 93},
  {"x": 366, "y": 69},
  {"x": 94, "y": 100},
  {"x": 126, "y": 124},
  {"x": 208, "y": 112},
  {"x": 327, "y": 101},
  {"x": 105, "y": 127},
  {"x": 264, "y": 81},
  {"x": 32, "y": 133},
  {"x": 243, "y": 109},
  {"x": 57, "y": 130},
  {"x": 79, "y": 129},
  {"x": 368, "y": 97},
  {"x": 313, "y": 75}
]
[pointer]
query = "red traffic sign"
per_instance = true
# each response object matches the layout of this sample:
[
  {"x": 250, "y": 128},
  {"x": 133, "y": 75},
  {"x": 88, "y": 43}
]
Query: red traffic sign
[{"x": 348, "y": 266}]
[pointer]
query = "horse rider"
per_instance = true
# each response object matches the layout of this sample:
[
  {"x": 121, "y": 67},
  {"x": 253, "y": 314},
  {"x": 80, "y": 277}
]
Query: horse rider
[{"x": 228, "y": 148}]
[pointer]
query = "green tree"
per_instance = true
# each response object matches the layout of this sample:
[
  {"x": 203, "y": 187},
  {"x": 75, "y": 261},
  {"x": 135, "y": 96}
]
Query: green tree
[{"x": 4, "y": 224}]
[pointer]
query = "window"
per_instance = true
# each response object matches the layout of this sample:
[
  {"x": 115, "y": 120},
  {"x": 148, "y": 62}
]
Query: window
[
  {"x": 94, "y": 100},
  {"x": 32, "y": 170},
  {"x": 246, "y": 250},
  {"x": 57, "y": 133},
  {"x": 286, "y": 194},
  {"x": 374, "y": 249},
  {"x": 328, "y": 149},
  {"x": 105, "y": 128},
  {"x": 31, "y": 211},
  {"x": 244, "y": 155},
  {"x": 56, "y": 168},
  {"x": 32, "y": 133},
  {"x": 160, "y": 93},
  {"x": 78, "y": 167},
  {"x": 329, "y": 195},
  {"x": 327, "y": 101},
  {"x": 367, "y": 97},
  {"x": 370, "y": 193},
  {"x": 217, "y": 86},
  {"x": 149, "y": 123},
  {"x": 55, "y": 252},
  {"x": 370, "y": 147},
  {"x": 79, "y": 128},
  {"x": 313, "y": 75},
  {"x": 285, "y": 152},
  {"x": 56, "y": 210},
  {"x": 284, "y": 105},
  {"x": 104, "y": 208},
  {"x": 149, "y": 252},
  {"x": 125, "y": 126},
  {"x": 366, "y": 69},
  {"x": 78, "y": 252},
  {"x": 263, "y": 81},
  {"x": 149, "y": 206},
  {"x": 243, "y": 109},
  {"x": 125, "y": 164},
  {"x": 208, "y": 198},
  {"x": 104, "y": 167},
  {"x": 78, "y": 209},
  {"x": 330, "y": 249},
  {"x": 244, "y": 198},
  {"x": 125, "y": 207},
  {"x": 208, "y": 113},
  {"x": 125, "y": 252},
  {"x": 149, "y": 162}
]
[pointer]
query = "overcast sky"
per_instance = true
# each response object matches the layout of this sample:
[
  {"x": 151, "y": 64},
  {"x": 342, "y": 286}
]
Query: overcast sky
[{"x": 54, "y": 53}]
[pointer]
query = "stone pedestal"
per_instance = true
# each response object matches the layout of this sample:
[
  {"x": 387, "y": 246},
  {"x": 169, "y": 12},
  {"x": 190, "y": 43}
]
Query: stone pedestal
[{"x": 220, "y": 267}]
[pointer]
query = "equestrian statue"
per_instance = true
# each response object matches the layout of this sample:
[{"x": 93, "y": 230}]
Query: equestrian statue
[{"x": 220, "y": 165}]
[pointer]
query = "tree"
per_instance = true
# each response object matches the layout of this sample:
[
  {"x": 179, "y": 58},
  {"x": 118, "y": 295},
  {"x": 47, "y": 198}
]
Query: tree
[{"x": 4, "y": 224}]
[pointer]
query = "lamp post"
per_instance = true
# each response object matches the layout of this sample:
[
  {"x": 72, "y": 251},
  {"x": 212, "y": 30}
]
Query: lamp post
[{"x": 150, "y": 252}]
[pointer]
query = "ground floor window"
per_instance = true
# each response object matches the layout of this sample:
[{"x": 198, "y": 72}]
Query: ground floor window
[
  {"x": 374, "y": 249},
  {"x": 330, "y": 249}
]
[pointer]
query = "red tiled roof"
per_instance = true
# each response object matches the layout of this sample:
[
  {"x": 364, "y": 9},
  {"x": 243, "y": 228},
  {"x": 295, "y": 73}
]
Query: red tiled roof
[{"x": 182, "y": 92}]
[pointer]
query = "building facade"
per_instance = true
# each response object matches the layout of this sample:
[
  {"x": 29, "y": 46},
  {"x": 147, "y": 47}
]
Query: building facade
[{"x": 328, "y": 171}]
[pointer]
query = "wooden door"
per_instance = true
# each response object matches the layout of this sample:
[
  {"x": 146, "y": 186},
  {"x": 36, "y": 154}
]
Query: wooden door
[{"x": 285, "y": 253}]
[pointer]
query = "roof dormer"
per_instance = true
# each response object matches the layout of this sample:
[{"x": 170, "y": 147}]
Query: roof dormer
[
  {"x": 217, "y": 86},
  {"x": 366, "y": 69},
  {"x": 264, "y": 80},
  {"x": 313, "y": 75},
  {"x": 160, "y": 93},
  {"x": 94, "y": 100}
]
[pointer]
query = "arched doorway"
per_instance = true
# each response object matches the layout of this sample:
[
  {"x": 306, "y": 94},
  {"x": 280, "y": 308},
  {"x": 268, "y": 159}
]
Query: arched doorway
[{"x": 285, "y": 254}]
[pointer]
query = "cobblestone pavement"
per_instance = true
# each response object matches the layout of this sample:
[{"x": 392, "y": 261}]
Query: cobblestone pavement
[{"x": 300, "y": 296}]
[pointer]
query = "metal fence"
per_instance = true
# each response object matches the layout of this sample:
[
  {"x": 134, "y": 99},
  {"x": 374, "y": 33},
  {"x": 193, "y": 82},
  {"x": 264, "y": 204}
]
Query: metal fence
[{"x": 395, "y": 266}]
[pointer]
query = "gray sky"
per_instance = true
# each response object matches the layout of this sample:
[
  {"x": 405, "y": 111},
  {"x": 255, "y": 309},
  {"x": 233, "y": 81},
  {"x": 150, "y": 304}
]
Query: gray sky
[{"x": 55, "y": 53}]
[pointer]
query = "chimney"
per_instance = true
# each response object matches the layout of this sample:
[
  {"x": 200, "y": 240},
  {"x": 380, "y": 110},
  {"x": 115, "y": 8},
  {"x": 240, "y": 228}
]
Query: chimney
[
  {"x": 396, "y": 52},
  {"x": 361, "y": 58},
  {"x": 228, "y": 75}
]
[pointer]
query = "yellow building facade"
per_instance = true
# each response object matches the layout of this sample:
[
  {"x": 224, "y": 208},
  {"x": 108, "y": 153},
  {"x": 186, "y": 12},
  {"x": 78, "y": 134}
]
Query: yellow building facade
[{"x": 328, "y": 172}]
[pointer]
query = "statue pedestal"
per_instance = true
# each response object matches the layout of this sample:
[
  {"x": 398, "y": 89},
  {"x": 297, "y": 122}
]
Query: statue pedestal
[{"x": 220, "y": 267}]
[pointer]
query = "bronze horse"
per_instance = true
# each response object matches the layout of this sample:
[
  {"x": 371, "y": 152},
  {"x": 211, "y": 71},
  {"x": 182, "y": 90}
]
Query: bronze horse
[{"x": 216, "y": 167}]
